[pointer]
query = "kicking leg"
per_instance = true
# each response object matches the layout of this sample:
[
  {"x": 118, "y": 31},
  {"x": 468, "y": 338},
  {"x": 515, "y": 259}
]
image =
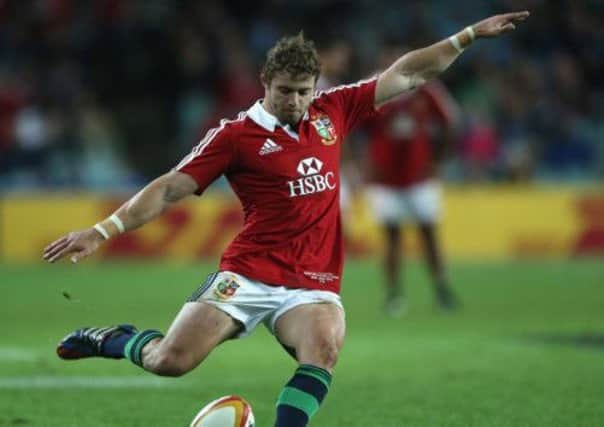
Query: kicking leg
[
  {"x": 316, "y": 333},
  {"x": 198, "y": 328},
  {"x": 196, "y": 331}
]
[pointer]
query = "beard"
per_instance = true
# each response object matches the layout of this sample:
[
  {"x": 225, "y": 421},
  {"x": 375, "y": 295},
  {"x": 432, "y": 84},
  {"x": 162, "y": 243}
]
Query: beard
[{"x": 291, "y": 118}]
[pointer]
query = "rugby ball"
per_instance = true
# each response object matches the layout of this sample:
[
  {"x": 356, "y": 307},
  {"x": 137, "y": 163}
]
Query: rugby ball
[{"x": 227, "y": 411}]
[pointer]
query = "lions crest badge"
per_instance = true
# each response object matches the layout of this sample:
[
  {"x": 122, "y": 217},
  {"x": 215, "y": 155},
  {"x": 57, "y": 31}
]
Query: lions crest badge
[
  {"x": 226, "y": 288},
  {"x": 325, "y": 129}
]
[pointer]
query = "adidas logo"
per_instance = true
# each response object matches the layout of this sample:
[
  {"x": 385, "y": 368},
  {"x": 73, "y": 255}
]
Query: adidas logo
[{"x": 269, "y": 146}]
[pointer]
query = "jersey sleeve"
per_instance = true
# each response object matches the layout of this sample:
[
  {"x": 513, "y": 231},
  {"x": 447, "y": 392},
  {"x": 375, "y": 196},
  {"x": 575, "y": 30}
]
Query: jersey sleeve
[
  {"x": 209, "y": 159},
  {"x": 355, "y": 101}
]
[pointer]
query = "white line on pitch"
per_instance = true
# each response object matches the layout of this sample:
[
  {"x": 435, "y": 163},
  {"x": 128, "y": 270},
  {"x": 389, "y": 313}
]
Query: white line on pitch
[
  {"x": 116, "y": 382},
  {"x": 50, "y": 382}
]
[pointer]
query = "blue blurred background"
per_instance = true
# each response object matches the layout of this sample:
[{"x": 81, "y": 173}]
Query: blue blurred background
[{"x": 107, "y": 94}]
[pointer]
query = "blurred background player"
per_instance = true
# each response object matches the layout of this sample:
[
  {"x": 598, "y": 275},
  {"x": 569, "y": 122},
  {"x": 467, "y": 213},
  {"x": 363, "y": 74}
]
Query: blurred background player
[{"x": 405, "y": 143}]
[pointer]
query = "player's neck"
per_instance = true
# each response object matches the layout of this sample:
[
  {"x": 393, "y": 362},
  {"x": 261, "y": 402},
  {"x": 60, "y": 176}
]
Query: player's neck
[{"x": 268, "y": 109}]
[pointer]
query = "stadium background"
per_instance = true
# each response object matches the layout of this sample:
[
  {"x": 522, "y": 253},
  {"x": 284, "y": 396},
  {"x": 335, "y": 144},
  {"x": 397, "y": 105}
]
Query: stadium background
[{"x": 99, "y": 96}]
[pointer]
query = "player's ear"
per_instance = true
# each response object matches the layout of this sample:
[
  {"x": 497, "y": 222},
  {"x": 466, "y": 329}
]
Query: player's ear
[{"x": 265, "y": 82}]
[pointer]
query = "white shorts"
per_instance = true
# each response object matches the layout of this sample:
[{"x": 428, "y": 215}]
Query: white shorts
[
  {"x": 251, "y": 301},
  {"x": 345, "y": 195},
  {"x": 417, "y": 203}
]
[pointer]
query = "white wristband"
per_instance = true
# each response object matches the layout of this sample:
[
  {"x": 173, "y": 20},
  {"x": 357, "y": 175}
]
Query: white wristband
[
  {"x": 455, "y": 42},
  {"x": 102, "y": 231},
  {"x": 118, "y": 223},
  {"x": 471, "y": 32}
]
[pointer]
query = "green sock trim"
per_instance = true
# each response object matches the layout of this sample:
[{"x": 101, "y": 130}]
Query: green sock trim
[
  {"x": 318, "y": 373},
  {"x": 134, "y": 346},
  {"x": 299, "y": 399}
]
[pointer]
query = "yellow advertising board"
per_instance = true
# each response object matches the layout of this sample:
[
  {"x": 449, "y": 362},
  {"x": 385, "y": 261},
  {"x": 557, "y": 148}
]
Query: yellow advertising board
[{"x": 478, "y": 223}]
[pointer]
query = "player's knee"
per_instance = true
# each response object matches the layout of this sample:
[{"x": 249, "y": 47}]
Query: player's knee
[
  {"x": 330, "y": 356},
  {"x": 326, "y": 352},
  {"x": 170, "y": 363}
]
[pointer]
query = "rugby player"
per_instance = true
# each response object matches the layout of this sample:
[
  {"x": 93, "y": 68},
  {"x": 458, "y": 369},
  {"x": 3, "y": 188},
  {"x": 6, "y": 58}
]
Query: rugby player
[
  {"x": 404, "y": 143},
  {"x": 284, "y": 268}
]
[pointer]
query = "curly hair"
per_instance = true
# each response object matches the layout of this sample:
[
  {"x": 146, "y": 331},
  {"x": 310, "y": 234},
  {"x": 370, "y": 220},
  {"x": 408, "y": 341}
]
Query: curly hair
[{"x": 293, "y": 54}]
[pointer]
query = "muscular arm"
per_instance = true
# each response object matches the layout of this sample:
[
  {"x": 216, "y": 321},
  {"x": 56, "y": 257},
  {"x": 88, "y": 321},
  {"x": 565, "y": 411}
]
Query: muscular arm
[
  {"x": 418, "y": 66},
  {"x": 143, "y": 207},
  {"x": 154, "y": 199}
]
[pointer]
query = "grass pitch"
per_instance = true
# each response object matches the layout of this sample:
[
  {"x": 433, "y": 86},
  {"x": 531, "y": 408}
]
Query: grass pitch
[{"x": 527, "y": 349}]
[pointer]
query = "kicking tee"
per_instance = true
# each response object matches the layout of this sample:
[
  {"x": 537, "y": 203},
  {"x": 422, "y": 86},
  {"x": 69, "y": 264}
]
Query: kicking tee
[{"x": 288, "y": 182}]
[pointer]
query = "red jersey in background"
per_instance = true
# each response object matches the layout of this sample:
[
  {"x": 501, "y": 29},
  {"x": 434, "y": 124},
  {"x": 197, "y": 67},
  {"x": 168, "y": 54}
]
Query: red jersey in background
[{"x": 401, "y": 136}]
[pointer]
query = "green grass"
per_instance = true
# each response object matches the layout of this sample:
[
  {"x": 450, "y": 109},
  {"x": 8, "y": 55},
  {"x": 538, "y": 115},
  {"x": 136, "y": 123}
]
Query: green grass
[{"x": 526, "y": 350}]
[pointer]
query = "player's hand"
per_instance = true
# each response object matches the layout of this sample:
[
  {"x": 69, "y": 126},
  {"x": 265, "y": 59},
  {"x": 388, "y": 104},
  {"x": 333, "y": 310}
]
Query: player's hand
[
  {"x": 78, "y": 244},
  {"x": 499, "y": 24}
]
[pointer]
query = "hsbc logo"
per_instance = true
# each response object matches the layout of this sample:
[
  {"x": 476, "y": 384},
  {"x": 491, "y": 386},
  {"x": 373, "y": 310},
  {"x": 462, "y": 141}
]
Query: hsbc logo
[
  {"x": 310, "y": 166},
  {"x": 312, "y": 180}
]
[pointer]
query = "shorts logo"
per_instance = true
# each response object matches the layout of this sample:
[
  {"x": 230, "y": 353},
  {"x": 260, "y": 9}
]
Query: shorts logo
[
  {"x": 325, "y": 130},
  {"x": 226, "y": 288}
]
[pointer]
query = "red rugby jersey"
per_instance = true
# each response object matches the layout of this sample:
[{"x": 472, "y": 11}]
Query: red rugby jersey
[
  {"x": 288, "y": 185},
  {"x": 400, "y": 137}
]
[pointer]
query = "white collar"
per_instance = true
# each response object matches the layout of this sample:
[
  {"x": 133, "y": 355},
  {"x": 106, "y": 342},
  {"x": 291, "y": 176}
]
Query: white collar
[{"x": 258, "y": 113}]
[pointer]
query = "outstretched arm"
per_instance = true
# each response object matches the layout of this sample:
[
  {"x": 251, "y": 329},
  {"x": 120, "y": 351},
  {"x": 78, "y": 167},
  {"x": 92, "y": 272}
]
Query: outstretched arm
[
  {"x": 143, "y": 207},
  {"x": 418, "y": 66}
]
